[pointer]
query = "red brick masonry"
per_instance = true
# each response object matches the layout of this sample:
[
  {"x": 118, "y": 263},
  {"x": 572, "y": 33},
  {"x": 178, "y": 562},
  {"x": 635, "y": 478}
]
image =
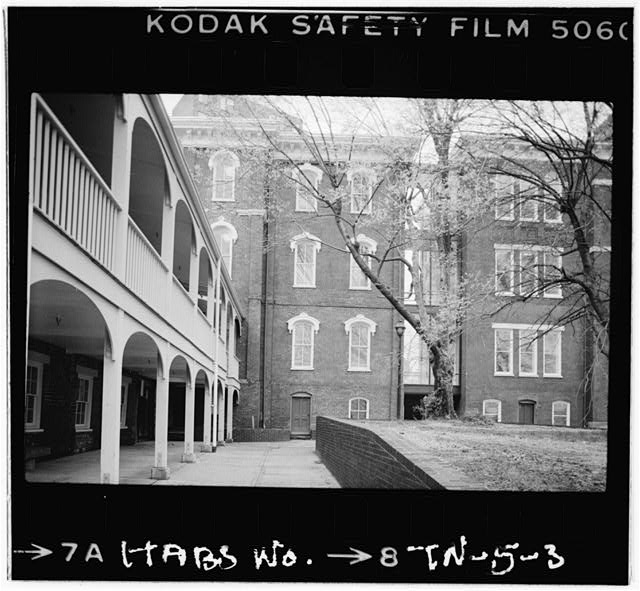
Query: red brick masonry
[{"x": 361, "y": 456}]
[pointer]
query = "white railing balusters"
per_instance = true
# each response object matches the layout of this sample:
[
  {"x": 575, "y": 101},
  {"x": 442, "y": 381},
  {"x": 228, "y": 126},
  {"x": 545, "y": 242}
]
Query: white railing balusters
[{"x": 69, "y": 191}]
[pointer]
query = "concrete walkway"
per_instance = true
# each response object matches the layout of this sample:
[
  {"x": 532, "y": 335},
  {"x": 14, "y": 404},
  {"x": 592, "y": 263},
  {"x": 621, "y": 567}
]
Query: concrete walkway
[{"x": 291, "y": 464}]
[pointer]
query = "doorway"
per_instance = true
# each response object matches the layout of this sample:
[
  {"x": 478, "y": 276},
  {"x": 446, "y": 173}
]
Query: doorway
[
  {"x": 301, "y": 415},
  {"x": 526, "y": 412}
]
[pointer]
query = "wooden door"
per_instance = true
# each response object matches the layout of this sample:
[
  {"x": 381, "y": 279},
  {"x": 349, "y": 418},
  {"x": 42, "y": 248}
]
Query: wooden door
[
  {"x": 301, "y": 415},
  {"x": 526, "y": 413}
]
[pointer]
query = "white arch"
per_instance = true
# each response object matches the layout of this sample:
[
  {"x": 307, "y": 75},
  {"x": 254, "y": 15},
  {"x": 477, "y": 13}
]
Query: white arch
[
  {"x": 305, "y": 236},
  {"x": 360, "y": 319},
  {"x": 303, "y": 316}
]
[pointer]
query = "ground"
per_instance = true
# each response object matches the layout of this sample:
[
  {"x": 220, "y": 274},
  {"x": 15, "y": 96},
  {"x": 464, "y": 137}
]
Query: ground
[{"x": 508, "y": 457}]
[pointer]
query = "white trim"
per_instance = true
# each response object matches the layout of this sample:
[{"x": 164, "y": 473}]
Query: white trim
[
  {"x": 498, "y": 402},
  {"x": 259, "y": 212},
  {"x": 371, "y": 330},
  {"x": 371, "y": 246},
  {"x": 495, "y": 353},
  {"x": 593, "y": 249},
  {"x": 368, "y": 177},
  {"x": 534, "y": 274},
  {"x": 557, "y": 289},
  {"x": 510, "y": 272},
  {"x": 559, "y": 356},
  {"x": 532, "y": 327},
  {"x": 306, "y": 239},
  {"x": 37, "y": 406},
  {"x": 88, "y": 375},
  {"x": 236, "y": 165},
  {"x": 503, "y": 199},
  {"x": 568, "y": 413},
  {"x": 544, "y": 248},
  {"x": 602, "y": 182},
  {"x": 366, "y": 407},
  {"x": 312, "y": 175},
  {"x": 531, "y": 336},
  {"x": 291, "y": 326}
]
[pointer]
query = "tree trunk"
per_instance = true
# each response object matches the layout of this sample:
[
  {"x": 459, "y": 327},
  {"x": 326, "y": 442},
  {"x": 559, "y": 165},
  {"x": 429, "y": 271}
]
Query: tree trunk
[{"x": 443, "y": 379}]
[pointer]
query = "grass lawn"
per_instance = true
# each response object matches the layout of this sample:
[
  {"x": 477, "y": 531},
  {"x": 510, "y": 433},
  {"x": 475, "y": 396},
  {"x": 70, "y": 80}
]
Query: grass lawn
[{"x": 512, "y": 457}]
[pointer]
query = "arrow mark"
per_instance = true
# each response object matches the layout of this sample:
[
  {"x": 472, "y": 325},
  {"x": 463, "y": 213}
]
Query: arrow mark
[
  {"x": 40, "y": 552},
  {"x": 357, "y": 556}
]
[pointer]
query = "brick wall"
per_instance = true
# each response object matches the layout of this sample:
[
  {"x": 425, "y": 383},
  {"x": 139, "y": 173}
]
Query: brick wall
[
  {"x": 262, "y": 435},
  {"x": 358, "y": 458}
]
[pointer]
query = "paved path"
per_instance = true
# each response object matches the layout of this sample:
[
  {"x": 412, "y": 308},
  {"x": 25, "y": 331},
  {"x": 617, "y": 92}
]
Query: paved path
[{"x": 284, "y": 464}]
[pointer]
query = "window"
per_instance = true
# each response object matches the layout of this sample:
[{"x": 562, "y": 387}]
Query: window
[
  {"x": 492, "y": 409},
  {"x": 303, "y": 329},
  {"x": 528, "y": 197},
  {"x": 358, "y": 408},
  {"x": 430, "y": 264},
  {"x": 528, "y": 350},
  {"x": 503, "y": 352},
  {"x": 305, "y": 247},
  {"x": 307, "y": 180},
  {"x": 417, "y": 365},
  {"x": 33, "y": 394},
  {"x": 357, "y": 279},
  {"x": 82, "y": 405},
  {"x": 124, "y": 395},
  {"x": 361, "y": 192},
  {"x": 552, "y": 346},
  {"x": 504, "y": 272},
  {"x": 504, "y": 199},
  {"x": 528, "y": 272},
  {"x": 561, "y": 413},
  {"x": 360, "y": 330},
  {"x": 552, "y": 214},
  {"x": 226, "y": 236},
  {"x": 552, "y": 273},
  {"x": 223, "y": 166}
]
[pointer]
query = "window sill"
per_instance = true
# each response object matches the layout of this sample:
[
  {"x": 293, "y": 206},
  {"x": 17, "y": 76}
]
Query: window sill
[
  {"x": 302, "y": 369},
  {"x": 359, "y": 288},
  {"x": 304, "y": 286},
  {"x": 223, "y": 200},
  {"x": 504, "y": 294},
  {"x": 549, "y": 375},
  {"x": 359, "y": 370},
  {"x": 552, "y": 297},
  {"x": 504, "y": 375},
  {"x": 528, "y": 375},
  {"x": 83, "y": 430},
  {"x": 555, "y": 222},
  {"x": 33, "y": 430},
  {"x": 305, "y": 211}
]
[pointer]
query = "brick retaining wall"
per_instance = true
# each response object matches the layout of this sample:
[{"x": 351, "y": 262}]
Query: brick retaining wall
[
  {"x": 359, "y": 458},
  {"x": 261, "y": 435}
]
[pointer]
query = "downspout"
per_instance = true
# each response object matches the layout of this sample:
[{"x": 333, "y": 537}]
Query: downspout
[
  {"x": 263, "y": 295},
  {"x": 214, "y": 401}
]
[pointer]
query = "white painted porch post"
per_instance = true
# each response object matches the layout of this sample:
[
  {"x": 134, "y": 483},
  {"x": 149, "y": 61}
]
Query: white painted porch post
[
  {"x": 221, "y": 401},
  {"x": 229, "y": 433},
  {"x": 206, "y": 432},
  {"x": 110, "y": 429},
  {"x": 189, "y": 409},
  {"x": 160, "y": 470},
  {"x": 120, "y": 184},
  {"x": 215, "y": 405}
]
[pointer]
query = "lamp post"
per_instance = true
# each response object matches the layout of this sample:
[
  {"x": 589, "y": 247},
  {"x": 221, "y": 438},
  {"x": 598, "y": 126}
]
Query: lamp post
[{"x": 399, "y": 326}]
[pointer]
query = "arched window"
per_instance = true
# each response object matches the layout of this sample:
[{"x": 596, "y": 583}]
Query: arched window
[
  {"x": 359, "y": 328},
  {"x": 358, "y": 408},
  {"x": 223, "y": 166},
  {"x": 357, "y": 279},
  {"x": 361, "y": 191},
  {"x": 226, "y": 236},
  {"x": 303, "y": 329},
  {"x": 307, "y": 179},
  {"x": 561, "y": 413},
  {"x": 492, "y": 409},
  {"x": 304, "y": 247}
]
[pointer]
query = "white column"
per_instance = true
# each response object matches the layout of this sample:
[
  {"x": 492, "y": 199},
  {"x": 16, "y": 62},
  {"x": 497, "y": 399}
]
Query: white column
[
  {"x": 189, "y": 409},
  {"x": 214, "y": 413},
  {"x": 194, "y": 271},
  {"x": 220, "y": 430},
  {"x": 160, "y": 470},
  {"x": 216, "y": 406},
  {"x": 229, "y": 434},
  {"x": 110, "y": 430},
  {"x": 206, "y": 431},
  {"x": 120, "y": 183}
]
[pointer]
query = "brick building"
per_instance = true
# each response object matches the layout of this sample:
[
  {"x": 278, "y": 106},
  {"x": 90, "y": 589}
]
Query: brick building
[{"x": 319, "y": 340}]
